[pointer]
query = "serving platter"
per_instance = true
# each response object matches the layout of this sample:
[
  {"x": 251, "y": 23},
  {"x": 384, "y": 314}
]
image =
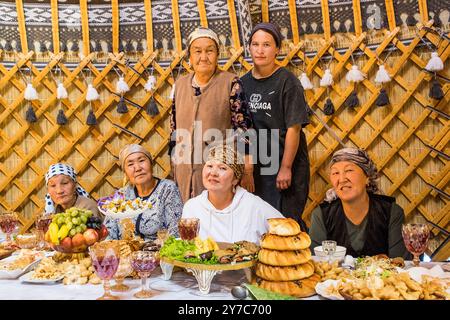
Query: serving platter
[
  {"x": 437, "y": 274},
  {"x": 204, "y": 273},
  {"x": 121, "y": 215},
  {"x": 14, "y": 274},
  {"x": 4, "y": 253},
  {"x": 323, "y": 289},
  {"x": 217, "y": 267},
  {"x": 28, "y": 278}
]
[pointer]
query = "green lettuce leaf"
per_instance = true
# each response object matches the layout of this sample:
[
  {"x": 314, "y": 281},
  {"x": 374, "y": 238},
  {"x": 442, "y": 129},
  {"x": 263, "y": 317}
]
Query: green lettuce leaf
[
  {"x": 176, "y": 249},
  {"x": 263, "y": 294}
]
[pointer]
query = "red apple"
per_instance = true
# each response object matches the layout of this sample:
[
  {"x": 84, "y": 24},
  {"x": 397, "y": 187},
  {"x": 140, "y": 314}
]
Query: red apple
[
  {"x": 90, "y": 236},
  {"x": 103, "y": 232},
  {"x": 78, "y": 240},
  {"x": 66, "y": 244}
]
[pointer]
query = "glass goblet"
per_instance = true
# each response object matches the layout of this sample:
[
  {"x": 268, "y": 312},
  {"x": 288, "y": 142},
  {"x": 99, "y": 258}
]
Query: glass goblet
[
  {"x": 42, "y": 223},
  {"x": 415, "y": 236},
  {"x": 162, "y": 236},
  {"x": 329, "y": 247},
  {"x": 188, "y": 228},
  {"x": 8, "y": 223},
  {"x": 144, "y": 262},
  {"x": 105, "y": 259},
  {"x": 123, "y": 271}
]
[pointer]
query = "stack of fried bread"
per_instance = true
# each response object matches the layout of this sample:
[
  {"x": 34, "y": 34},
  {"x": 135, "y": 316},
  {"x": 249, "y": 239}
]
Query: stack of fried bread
[{"x": 284, "y": 261}]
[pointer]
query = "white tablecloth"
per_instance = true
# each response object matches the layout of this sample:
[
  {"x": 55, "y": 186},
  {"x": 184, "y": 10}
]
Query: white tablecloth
[{"x": 182, "y": 286}]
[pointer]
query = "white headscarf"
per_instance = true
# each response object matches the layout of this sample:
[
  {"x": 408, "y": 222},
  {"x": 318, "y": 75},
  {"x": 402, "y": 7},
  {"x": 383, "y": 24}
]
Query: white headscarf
[
  {"x": 202, "y": 32},
  {"x": 65, "y": 169},
  {"x": 130, "y": 149}
]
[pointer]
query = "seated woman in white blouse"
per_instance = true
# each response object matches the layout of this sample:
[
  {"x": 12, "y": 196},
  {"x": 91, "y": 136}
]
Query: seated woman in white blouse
[{"x": 227, "y": 212}]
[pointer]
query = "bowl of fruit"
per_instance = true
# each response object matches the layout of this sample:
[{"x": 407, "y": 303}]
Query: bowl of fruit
[{"x": 75, "y": 230}]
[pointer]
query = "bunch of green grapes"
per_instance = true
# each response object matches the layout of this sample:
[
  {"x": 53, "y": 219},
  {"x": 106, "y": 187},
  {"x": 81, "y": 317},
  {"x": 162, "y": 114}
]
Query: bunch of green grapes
[{"x": 74, "y": 219}]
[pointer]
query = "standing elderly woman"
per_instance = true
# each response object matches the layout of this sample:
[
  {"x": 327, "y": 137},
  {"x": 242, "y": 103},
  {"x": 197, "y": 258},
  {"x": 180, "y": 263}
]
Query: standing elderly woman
[
  {"x": 136, "y": 162},
  {"x": 277, "y": 104},
  {"x": 354, "y": 214},
  {"x": 228, "y": 212},
  {"x": 206, "y": 99},
  {"x": 64, "y": 192}
]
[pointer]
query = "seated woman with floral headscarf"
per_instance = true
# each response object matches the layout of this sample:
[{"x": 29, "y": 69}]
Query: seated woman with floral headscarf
[
  {"x": 228, "y": 212},
  {"x": 64, "y": 192},
  {"x": 136, "y": 162},
  {"x": 354, "y": 214}
]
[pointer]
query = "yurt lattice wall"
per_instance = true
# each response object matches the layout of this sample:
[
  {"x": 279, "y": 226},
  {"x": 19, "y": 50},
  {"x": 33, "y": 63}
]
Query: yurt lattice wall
[{"x": 81, "y": 43}]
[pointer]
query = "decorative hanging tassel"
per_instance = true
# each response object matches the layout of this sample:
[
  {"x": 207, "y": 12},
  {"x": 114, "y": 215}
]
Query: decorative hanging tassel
[
  {"x": 61, "y": 119},
  {"x": 436, "y": 22},
  {"x": 328, "y": 108},
  {"x": 150, "y": 85},
  {"x": 129, "y": 46},
  {"x": 8, "y": 46},
  {"x": 93, "y": 46},
  {"x": 30, "y": 115},
  {"x": 122, "y": 86},
  {"x": 355, "y": 75},
  {"x": 327, "y": 79},
  {"x": 61, "y": 92},
  {"x": 436, "y": 90},
  {"x": 382, "y": 99},
  {"x": 92, "y": 93},
  {"x": 30, "y": 93},
  {"x": 152, "y": 108},
  {"x": 352, "y": 100},
  {"x": 91, "y": 119},
  {"x": 435, "y": 63},
  {"x": 411, "y": 21},
  {"x": 122, "y": 106},
  {"x": 172, "y": 92},
  {"x": 306, "y": 83},
  {"x": 382, "y": 75}
]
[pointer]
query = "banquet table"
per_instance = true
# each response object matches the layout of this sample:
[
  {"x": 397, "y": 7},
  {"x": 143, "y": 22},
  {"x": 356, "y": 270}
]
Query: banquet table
[{"x": 181, "y": 286}]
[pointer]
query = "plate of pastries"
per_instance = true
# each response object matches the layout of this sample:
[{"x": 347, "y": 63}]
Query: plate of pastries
[
  {"x": 382, "y": 278},
  {"x": 285, "y": 263}
]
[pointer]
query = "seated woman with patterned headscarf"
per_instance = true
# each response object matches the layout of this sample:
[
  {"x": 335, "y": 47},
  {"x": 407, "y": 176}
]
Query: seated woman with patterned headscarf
[
  {"x": 228, "y": 212},
  {"x": 136, "y": 163},
  {"x": 354, "y": 213},
  {"x": 64, "y": 192}
]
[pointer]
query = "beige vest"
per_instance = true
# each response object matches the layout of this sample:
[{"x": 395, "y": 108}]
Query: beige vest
[{"x": 212, "y": 108}]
